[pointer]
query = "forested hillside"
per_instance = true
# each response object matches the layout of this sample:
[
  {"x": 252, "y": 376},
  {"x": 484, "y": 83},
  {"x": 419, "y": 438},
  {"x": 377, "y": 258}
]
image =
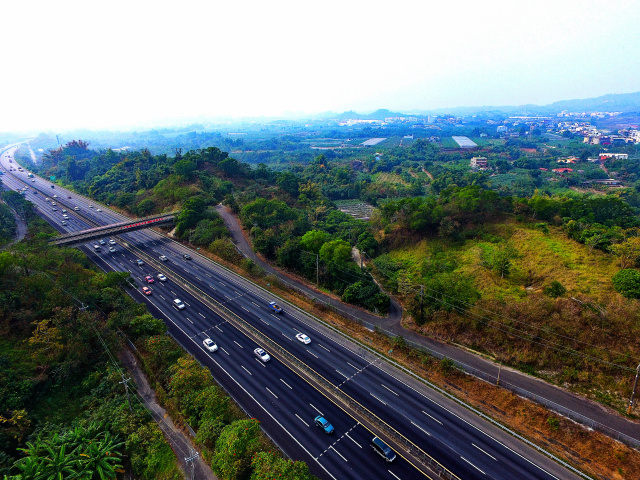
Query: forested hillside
[{"x": 457, "y": 252}]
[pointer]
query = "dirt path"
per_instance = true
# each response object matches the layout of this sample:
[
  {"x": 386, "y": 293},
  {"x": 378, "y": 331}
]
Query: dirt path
[
  {"x": 21, "y": 228},
  {"x": 179, "y": 441},
  {"x": 241, "y": 242}
]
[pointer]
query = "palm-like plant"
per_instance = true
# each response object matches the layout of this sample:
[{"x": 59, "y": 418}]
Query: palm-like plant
[
  {"x": 99, "y": 459},
  {"x": 57, "y": 465}
]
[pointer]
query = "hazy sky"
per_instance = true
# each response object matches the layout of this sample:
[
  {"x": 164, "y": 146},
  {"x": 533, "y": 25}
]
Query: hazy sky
[{"x": 123, "y": 63}]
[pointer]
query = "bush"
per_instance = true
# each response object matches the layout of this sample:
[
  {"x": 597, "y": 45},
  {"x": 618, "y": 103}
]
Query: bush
[
  {"x": 627, "y": 283},
  {"x": 554, "y": 290}
]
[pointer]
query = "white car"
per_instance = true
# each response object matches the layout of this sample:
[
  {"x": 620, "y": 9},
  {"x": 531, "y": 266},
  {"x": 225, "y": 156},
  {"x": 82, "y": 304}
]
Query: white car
[
  {"x": 210, "y": 345},
  {"x": 161, "y": 277},
  {"x": 98, "y": 210},
  {"x": 303, "y": 338},
  {"x": 76, "y": 208},
  {"x": 112, "y": 242},
  {"x": 177, "y": 303},
  {"x": 65, "y": 216},
  {"x": 163, "y": 258},
  {"x": 55, "y": 196},
  {"x": 262, "y": 355},
  {"x": 112, "y": 249}
]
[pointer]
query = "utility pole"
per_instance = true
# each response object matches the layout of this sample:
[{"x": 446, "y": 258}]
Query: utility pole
[
  {"x": 191, "y": 460},
  {"x": 126, "y": 389},
  {"x": 633, "y": 391}
]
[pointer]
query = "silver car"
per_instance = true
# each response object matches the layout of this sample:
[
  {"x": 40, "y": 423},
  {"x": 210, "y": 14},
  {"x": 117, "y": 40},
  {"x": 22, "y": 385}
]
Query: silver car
[{"x": 262, "y": 355}]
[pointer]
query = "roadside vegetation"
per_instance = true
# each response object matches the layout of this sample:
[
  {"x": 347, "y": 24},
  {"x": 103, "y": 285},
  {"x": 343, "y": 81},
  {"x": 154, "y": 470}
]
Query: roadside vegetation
[{"x": 63, "y": 410}]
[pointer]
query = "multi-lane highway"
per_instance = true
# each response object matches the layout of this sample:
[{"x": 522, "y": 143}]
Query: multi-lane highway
[{"x": 281, "y": 397}]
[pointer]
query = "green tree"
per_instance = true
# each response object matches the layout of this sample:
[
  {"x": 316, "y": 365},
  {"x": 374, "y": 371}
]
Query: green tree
[
  {"x": 336, "y": 251},
  {"x": 235, "y": 446},
  {"x": 313, "y": 240},
  {"x": 266, "y": 466}
]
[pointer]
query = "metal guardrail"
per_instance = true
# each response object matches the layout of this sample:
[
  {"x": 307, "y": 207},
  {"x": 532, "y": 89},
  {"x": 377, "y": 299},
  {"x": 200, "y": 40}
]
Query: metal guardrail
[{"x": 314, "y": 378}]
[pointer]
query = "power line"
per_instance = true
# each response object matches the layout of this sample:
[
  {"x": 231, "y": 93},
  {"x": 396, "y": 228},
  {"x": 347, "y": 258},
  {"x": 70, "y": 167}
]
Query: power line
[{"x": 529, "y": 336}]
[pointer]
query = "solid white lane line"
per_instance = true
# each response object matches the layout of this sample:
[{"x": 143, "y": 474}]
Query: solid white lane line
[
  {"x": 347, "y": 435},
  {"x": 310, "y": 352},
  {"x": 224, "y": 351},
  {"x": 342, "y": 374},
  {"x": 331, "y": 447},
  {"x": 161, "y": 297},
  {"x": 189, "y": 320},
  {"x": 432, "y": 418},
  {"x": 473, "y": 465},
  {"x": 255, "y": 304},
  {"x": 260, "y": 362},
  {"x": 353, "y": 366},
  {"x": 198, "y": 278},
  {"x": 302, "y": 420},
  {"x": 286, "y": 384},
  {"x": 322, "y": 346},
  {"x": 219, "y": 328},
  {"x": 228, "y": 298},
  {"x": 390, "y": 390},
  {"x": 393, "y": 474},
  {"x": 243, "y": 308},
  {"x": 484, "y": 452},
  {"x": 246, "y": 370},
  {"x": 316, "y": 409},
  {"x": 271, "y": 392},
  {"x": 222, "y": 284},
  {"x": 238, "y": 344},
  {"x": 263, "y": 321},
  {"x": 377, "y": 398},
  {"x": 201, "y": 314},
  {"x": 420, "y": 428}
]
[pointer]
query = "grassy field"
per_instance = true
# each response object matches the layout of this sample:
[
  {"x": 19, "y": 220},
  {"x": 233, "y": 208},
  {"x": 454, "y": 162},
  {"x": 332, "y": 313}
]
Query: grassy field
[
  {"x": 385, "y": 177},
  {"x": 589, "y": 318}
]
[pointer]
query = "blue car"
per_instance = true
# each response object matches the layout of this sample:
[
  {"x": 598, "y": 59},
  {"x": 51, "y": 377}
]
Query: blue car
[
  {"x": 323, "y": 424},
  {"x": 275, "y": 307}
]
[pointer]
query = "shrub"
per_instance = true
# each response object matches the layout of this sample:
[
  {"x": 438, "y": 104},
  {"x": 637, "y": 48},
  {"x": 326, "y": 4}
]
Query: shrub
[
  {"x": 554, "y": 290},
  {"x": 627, "y": 282}
]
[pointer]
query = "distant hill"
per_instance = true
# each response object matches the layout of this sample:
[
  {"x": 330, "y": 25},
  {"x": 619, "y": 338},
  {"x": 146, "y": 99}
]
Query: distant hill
[{"x": 621, "y": 102}]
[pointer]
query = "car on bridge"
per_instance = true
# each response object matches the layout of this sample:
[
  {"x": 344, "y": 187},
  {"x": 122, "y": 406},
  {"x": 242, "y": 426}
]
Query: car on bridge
[
  {"x": 163, "y": 258},
  {"x": 161, "y": 277},
  {"x": 112, "y": 249},
  {"x": 112, "y": 242},
  {"x": 146, "y": 290},
  {"x": 139, "y": 262},
  {"x": 186, "y": 256},
  {"x": 303, "y": 338},
  {"x": 149, "y": 279}
]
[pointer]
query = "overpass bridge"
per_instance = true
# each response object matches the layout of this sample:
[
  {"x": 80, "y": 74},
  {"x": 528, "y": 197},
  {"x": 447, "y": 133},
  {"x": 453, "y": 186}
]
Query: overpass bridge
[{"x": 84, "y": 236}]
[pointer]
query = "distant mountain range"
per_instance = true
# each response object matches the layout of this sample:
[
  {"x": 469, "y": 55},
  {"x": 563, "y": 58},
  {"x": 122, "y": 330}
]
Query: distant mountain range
[{"x": 621, "y": 102}]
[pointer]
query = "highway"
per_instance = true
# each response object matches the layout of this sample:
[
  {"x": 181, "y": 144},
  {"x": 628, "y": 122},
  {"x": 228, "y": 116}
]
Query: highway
[{"x": 277, "y": 394}]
